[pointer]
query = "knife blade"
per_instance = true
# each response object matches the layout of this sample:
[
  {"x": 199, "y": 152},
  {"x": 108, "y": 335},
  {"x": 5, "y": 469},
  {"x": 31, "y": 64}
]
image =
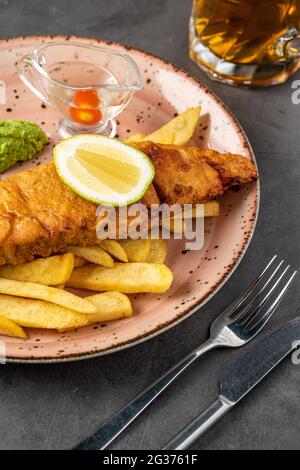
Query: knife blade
[{"x": 240, "y": 379}]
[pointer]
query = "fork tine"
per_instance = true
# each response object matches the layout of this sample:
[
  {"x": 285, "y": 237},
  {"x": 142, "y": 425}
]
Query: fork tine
[
  {"x": 232, "y": 308},
  {"x": 251, "y": 313},
  {"x": 256, "y": 324},
  {"x": 250, "y": 310},
  {"x": 240, "y": 313}
]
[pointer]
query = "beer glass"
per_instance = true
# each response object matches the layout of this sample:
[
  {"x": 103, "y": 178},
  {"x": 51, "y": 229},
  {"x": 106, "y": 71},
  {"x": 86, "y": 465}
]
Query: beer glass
[{"x": 246, "y": 42}]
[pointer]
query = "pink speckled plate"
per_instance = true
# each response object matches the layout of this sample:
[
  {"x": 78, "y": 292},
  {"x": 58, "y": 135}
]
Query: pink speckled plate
[{"x": 198, "y": 275}]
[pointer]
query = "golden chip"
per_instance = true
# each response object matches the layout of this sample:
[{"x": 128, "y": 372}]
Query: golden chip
[
  {"x": 10, "y": 328},
  {"x": 115, "y": 249},
  {"x": 40, "y": 314},
  {"x": 93, "y": 254},
  {"x": 48, "y": 271},
  {"x": 137, "y": 251},
  {"x": 179, "y": 131},
  {"x": 158, "y": 251},
  {"x": 135, "y": 138},
  {"x": 111, "y": 306},
  {"x": 79, "y": 262},
  {"x": 129, "y": 278},
  {"x": 49, "y": 294}
]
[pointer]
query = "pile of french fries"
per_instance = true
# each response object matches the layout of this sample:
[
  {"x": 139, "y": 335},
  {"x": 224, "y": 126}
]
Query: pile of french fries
[{"x": 33, "y": 294}]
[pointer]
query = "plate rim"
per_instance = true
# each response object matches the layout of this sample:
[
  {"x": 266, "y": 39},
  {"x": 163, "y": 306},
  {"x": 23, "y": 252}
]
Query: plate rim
[{"x": 165, "y": 327}]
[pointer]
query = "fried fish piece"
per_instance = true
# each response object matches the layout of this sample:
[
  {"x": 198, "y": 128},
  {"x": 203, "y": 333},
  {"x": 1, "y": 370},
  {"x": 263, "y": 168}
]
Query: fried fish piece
[
  {"x": 40, "y": 216},
  {"x": 233, "y": 169},
  {"x": 187, "y": 175}
]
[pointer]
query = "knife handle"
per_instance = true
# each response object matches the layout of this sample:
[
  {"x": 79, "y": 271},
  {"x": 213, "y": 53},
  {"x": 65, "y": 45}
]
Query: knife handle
[{"x": 200, "y": 425}]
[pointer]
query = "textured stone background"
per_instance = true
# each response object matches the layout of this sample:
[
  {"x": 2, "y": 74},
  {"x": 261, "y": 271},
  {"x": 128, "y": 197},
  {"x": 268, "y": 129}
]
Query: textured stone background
[{"x": 53, "y": 406}]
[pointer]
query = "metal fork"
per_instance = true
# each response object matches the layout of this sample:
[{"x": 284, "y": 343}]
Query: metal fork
[{"x": 236, "y": 326}]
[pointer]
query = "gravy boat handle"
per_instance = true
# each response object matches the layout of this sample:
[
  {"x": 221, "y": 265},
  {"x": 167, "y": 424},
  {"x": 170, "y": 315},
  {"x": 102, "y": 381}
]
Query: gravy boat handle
[{"x": 26, "y": 74}]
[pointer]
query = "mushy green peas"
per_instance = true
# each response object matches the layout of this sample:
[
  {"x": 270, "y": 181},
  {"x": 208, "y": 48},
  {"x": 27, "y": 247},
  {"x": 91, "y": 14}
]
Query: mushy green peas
[{"x": 19, "y": 141}]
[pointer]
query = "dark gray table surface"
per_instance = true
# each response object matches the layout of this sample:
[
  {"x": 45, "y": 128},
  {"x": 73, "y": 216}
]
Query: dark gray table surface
[{"x": 53, "y": 406}]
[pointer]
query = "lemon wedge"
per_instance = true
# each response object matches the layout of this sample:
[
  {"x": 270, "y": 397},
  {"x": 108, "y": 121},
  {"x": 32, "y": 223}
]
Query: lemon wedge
[{"x": 103, "y": 170}]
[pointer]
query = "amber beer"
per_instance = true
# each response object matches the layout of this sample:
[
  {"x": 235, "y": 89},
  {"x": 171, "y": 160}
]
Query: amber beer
[{"x": 245, "y": 40}]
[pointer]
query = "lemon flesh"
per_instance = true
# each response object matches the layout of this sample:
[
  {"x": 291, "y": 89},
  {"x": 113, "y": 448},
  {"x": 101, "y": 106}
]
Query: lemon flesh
[{"x": 103, "y": 170}]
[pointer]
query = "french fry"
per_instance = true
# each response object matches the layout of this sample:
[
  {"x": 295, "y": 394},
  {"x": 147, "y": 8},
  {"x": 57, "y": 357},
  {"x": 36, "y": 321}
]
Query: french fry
[
  {"x": 93, "y": 254},
  {"x": 111, "y": 306},
  {"x": 178, "y": 131},
  {"x": 177, "y": 224},
  {"x": 129, "y": 278},
  {"x": 40, "y": 314},
  {"x": 211, "y": 209},
  {"x": 48, "y": 271},
  {"x": 137, "y": 251},
  {"x": 174, "y": 225},
  {"x": 30, "y": 290},
  {"x": 10, "y": 328},
  {"x": 115, "y": 249},
  {"x": 135, "y": 138},
  {"x": 79, "y": 262},
  {"x": 158, "y": 251}
]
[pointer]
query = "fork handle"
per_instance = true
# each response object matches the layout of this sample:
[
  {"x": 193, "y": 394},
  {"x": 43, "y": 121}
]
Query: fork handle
[
  {"x": 199, "y": 425},
  {"x": 110, "y": 430}
]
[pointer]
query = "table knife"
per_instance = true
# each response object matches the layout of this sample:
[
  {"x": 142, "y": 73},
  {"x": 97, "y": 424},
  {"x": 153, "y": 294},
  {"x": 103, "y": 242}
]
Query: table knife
[{"x": 240, "y": 379}]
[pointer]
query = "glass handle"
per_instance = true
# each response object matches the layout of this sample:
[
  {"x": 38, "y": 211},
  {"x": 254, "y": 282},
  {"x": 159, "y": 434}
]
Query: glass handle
[
  {"x": 26, "y": 74},
  {"x": 288, "y": 46}
]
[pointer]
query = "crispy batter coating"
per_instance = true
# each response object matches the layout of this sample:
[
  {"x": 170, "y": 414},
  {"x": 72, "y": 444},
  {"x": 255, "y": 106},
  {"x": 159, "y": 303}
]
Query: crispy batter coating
[
  {"x": 186, "y": 175},
  {"x": 40, "y": 215}
]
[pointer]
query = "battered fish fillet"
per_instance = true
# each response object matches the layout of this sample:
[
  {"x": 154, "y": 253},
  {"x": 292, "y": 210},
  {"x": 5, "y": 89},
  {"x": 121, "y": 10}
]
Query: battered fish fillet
[
  {"x": 187, "y": 175},
  {"x": 40, "y": 215}
]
